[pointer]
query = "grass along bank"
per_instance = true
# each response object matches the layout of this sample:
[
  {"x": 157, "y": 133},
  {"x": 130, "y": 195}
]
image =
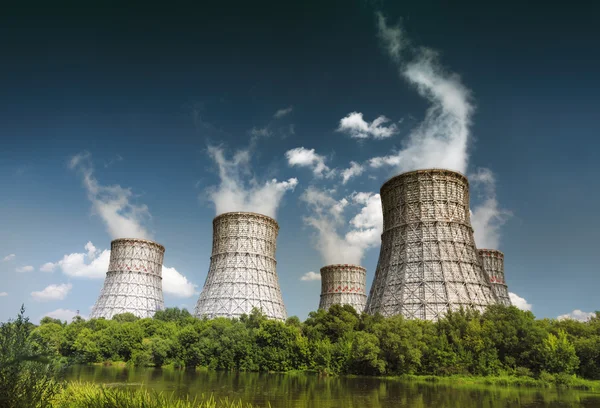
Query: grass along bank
[
  {"x": 90, "y": 395},
  {"x": 545, "y": 380}
]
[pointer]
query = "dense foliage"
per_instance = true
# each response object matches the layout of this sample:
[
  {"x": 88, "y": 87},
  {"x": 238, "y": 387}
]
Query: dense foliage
[
  {"x": 503, "y": 340},
  {"x": 28, "y": 377}
]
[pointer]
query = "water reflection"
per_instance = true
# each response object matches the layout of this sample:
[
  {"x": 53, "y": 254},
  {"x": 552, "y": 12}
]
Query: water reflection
[{"x": 307, "y": 390}]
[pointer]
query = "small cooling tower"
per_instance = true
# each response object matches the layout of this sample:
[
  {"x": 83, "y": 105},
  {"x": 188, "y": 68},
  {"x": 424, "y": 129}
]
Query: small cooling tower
[
  {"x": 428, "y": 262},
  {"x": 242, "y": 273},
  {"x": 493, "y": 265},
  {"x": 133, "y": 283},
  {"x": 343, "y": 285}
]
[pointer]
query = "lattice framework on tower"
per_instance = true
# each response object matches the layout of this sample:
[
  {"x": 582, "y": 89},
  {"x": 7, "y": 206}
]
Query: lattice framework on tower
[
  {"x": 428, "y": 262},
  {"x": 344, "y": 285},
  {"x": 242, "y": 272},
  {"x": 133, "y": 282},
  {"x": 493, "y": 265}
]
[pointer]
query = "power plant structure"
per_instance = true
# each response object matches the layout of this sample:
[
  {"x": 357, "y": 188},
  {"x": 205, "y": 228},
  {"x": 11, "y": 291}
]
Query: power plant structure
[
  {"x": 428, "y": 262},
  {"x": 242, "y": 273},
  {"x": 493, "y": 264},
  {"x": 133, "y": 282},
  {"x": 345, "y": 285}
]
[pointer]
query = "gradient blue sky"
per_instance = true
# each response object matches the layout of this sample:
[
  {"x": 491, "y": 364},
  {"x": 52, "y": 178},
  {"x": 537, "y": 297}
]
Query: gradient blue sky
[{"x": 146, "y": 90}]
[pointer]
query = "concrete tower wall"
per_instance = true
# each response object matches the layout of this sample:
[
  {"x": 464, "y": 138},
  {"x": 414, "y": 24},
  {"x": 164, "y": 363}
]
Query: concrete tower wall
[
  {"x": 493, "y": 264},
  {"x": 428, "y": 262},
  {"x": 242, "y": 272},
  {"x": 344, "y": 285},
  {"x": 133, "y": 282}
]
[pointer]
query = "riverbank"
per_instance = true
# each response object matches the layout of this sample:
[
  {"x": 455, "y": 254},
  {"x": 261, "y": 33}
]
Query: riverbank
[{"x": 545, "y": 381}]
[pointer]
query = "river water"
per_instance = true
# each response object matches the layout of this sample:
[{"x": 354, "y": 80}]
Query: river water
[{"x": 311, "y": 390}]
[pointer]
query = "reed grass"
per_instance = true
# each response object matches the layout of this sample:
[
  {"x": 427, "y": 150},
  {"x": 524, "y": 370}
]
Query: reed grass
[{"x": 89, "y": 395}]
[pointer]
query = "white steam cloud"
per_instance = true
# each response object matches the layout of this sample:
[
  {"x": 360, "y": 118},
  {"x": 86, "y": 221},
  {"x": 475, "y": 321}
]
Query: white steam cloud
[
  {"x": 302, "y": 157},
  {"x": 234, "y": 194},
  {"x": 122, "y": 218},
  {"x": 311, "y": 276},
  {"x": 363, "y": 231},
  {"x": 358, "y": 128},
  {"x": 283, "y": 112},
  {"x": 487, "y": 218},
  {"x": 354, "y": 170},
  {"x": 441, "y": 140}
]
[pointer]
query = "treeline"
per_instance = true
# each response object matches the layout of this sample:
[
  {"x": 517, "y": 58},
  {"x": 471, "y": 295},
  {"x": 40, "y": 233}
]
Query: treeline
[{"x": 501, "y": 341}]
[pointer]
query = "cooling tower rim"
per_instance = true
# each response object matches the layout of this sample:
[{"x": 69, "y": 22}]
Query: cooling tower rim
[
  {"x": 338, "y": 266},
  {"x": 431, "y": 170},
  {"x": 232, "y": 214},
  {"x": 147, "y": 241},
  {"x": 483, "y": 251}
]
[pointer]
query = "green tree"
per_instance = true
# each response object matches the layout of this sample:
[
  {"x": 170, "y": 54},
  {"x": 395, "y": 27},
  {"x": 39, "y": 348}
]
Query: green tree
[
  {"x": 366, "y": 355},
  {"x": 28, "y": 378},
  {"x": 559, "y": 354},
  {"x": 86, "y": 347}
]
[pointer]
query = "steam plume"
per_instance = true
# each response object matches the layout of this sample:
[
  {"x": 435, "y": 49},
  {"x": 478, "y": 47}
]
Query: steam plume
[
  {"x": 233, "y": 194},
  {"x": 363, "y": 231},
  {"x": 112, "y": 203},
  {"x": 441, "y": 140},
  {"x": 487, "y": 218}
]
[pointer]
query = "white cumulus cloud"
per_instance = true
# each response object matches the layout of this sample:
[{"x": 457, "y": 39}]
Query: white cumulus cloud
[
  {"x": 337, "y": 240},
  {"x": 577, "y": 315},
  {"x": 358, "y": 128},
  {"x": 52, "y": 292},
  {"x": 8, "y": 258},
  {"x": 302, "y": 157},
  {"x": 282, "y": 112},
  {"x": 48, "y": 267},
  {"x": 89, "y": 264},
  {"x": 3, "y": 294},
  {"x": 174, "y": 283},
  {"x": 441, "y": 139},
  {"x": 240, "y": 191},
  {"x": 354, "y": 170},
  {"x": 123, "y": 219},
  {"x": 27, "y": 268},
  {"x": 519, "y": 302},
  {"x": 311, "y": 276}
]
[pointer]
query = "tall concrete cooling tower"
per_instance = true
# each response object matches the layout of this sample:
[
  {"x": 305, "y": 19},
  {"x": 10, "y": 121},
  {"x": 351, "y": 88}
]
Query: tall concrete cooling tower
[
  {"x": 344, "y": 285},
  {"x": 428, "y": 263},
  {"x": 493, "y": 265},
  {"x": 134, "y": 279},
  {"x": 242, "y": 272}
]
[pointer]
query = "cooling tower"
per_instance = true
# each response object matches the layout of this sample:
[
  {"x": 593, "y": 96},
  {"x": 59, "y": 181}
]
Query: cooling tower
[
  {"x": 134, "y": 279},
  {"x": 493, "y": 265},
  {"x": 344, "y": 285},
  {"x": 428, "y": 263},
  {"x": 242, "y": 272}
]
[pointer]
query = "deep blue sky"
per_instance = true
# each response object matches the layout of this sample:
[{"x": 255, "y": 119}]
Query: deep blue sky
[{"x": 154, "y": 85}]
